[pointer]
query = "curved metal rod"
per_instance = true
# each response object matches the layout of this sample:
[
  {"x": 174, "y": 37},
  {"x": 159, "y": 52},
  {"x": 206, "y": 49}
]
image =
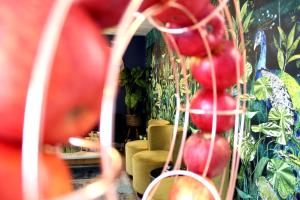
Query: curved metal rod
[
  {"x": 202, "y": 180},
  {"x": 127, "y": 28},
  {"x": 36, "y": 95},
  {"x": 237, "y": 111},
  {"x": 101, "y": 184},
  {"x": 195, "y": 26}
]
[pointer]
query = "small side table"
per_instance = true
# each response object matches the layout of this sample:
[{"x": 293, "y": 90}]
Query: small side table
[{"x": 156, "y": 172}]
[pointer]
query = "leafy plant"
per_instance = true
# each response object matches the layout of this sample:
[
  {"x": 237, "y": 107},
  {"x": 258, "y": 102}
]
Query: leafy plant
[
  {"x": 269, "y": 150},
  {"x": 286, "y": 47},
  {"x": 135, "y": 82},
  {"x": 262, "y": 88},
  {"x": 278, "y": 125},
  {"x": 246, "y": 20},
  {"x": 281, "y": 177},
  {"x": 265, "y": 190}
]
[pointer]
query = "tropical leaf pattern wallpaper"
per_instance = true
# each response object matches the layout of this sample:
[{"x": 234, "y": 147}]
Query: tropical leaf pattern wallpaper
[
  {"x": 162, "y": 90},
  {"x": 270, "y": 150},
  {"x": 270, "y": 167}
]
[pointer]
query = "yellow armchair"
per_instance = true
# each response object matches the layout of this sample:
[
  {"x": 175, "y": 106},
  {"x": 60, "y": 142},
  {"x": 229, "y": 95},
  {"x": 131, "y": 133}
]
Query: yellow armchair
[
  {"x": 143, "y": 162},
  {"x": 133, "y": 147}
]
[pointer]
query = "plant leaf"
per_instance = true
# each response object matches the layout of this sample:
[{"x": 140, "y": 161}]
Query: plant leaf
[
  {"x": 248, "y": 72},
  {"x": 247, "y": 21},
  {"x": 294, "y": 46},
  {"x": 280, "y": 59},
  {"x": 291, "y": 37},
  {"x": 294, "y": 57},
  {"x": 243, "y": 194},
  {"x": 281, "y": 177},
  {"x": 260, "y": 166},
  {"x": 281, "y": 138},
  {"x": 247, "y": 97},
  {"x": 244, "y": 10},
  {"x": 248, "y": 148},
  {"x": 276, "y": 43},
  {"x": 270, "y": 129},
  {"x": 262, "y": 88},
  {"x": 250, "y": 114},
  {"x": 282, "y": 36},
  {"x": 282, "y": 115},
  {"x": 265, "y": 190}
]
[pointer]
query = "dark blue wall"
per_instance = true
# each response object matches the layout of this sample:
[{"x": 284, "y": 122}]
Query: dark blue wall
[{"x": 134, "y": 56}]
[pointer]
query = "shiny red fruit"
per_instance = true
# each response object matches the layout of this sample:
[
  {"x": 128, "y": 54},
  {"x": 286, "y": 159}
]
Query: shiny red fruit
[
  {"x": 191, "y": 44},
  {"x": 109, "y": 13},
  {"x": 188, "y": 188},
  {"x": 203, "y": 100},
  {"x": 54, "y": 175},
  {"x": 79, "y": 70},
  {"x": 196, "y": 150},
  {"x": 227, "y": 60},
  {"x": 106, "y": 13},
  {"x": 176, "y": 16},
  {"x": 148, "y": 3}
]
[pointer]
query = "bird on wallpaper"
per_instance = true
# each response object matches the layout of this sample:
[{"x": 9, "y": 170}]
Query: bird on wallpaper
[{"x": 285, "y": 89}]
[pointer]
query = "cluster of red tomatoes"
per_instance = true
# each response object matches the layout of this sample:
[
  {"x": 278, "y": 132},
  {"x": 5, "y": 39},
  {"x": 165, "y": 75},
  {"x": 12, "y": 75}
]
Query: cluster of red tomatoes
[{"x": 227, "y": 63}]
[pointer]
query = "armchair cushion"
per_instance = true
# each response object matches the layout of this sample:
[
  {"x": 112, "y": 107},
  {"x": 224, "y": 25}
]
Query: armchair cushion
[{"x": 132, "y": 148}]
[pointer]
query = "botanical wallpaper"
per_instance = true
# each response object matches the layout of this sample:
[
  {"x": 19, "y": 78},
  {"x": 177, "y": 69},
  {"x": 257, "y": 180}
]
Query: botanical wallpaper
[
  {"x": 270, "y": 157},
  {"x": 161, "y": 93}
]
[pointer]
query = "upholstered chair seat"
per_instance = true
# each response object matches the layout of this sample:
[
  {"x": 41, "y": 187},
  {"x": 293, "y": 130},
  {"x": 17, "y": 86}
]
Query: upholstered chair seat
[
  {"x": 133, "y": 147},
  {"x": 144, "y": 162}
]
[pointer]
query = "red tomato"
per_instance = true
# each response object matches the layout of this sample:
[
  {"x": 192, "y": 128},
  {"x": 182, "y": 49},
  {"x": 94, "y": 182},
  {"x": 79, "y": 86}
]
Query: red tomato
[
  {"x": 175, "y": 16},
  {"x": 77, "y": 78},
  {"x": 54, "y": 175},
  {"x": 191, "y": 44},
  {"x": 203, "y": 100},
  {"x": 196, "y": 151},
  {"x": 226, "y": 59},
  {"x": 189, "y": 188}
]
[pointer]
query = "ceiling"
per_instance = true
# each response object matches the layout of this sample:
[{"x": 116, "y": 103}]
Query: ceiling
[{"x": 143, "y": 29}]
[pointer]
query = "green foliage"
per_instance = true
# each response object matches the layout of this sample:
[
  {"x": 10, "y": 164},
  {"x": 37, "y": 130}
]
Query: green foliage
[
  {"x": 286, "y": 49},
  {"x": 281, "y": 177},
  {"x": 291, "y": 159},
  {"x": 270, "y": 129},
  {"x": 293, "y": 89},
  {"x": 135, "y": 83},
  {"x": 260, "y": 166},
  {"x": 243, "y": 195},
  {"x": 161, "y": 94},
  {"x": 248, "y": 148},
  {"x": 278, "y": 126},
  {"x": 246, "y": 21},
  {"x": 269, "y": 150},
  {"x": 284, "y": 118},
  {"x": 262, "y": 88},
  {"x": 247, "y": 73},
  {"x": 265, "y": 190}
]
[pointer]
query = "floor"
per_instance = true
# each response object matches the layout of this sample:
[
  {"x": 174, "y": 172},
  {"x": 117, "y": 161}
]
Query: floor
[{"x": 83, "y": 175}]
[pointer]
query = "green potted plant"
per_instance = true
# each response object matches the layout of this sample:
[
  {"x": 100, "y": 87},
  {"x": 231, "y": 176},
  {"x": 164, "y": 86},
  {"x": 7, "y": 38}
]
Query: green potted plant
[{"x": 134, "y": 80}]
